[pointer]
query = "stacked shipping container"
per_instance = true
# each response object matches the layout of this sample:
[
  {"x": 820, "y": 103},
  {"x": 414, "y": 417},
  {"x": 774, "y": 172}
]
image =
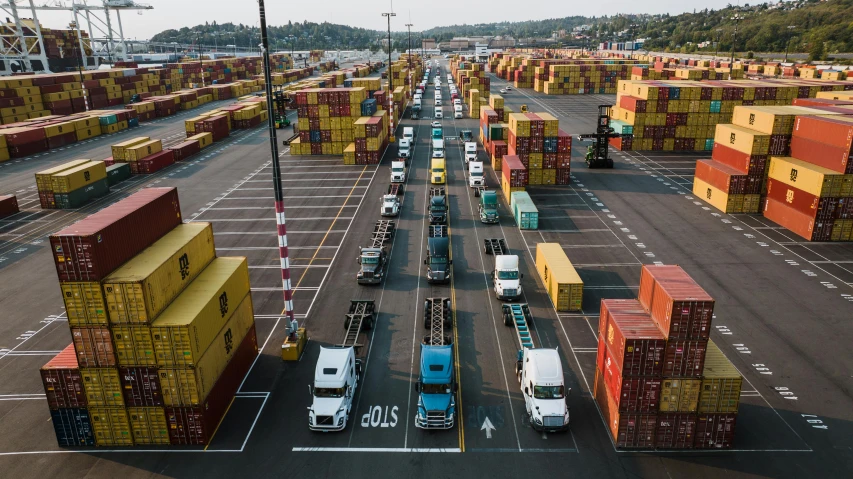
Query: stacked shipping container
[
  {"x": 561, "y": 280},
  {"x": 163, "y": 331},
  {"x": 543, "y": 149}
]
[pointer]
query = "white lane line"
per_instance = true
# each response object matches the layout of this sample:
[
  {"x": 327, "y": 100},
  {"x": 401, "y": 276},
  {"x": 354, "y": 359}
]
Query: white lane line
[
  {"x": 273, "y": 207},
  {"x": 208, "y": 220},
  {"x": 289, "y": 197},
  {"x": 379, "y": 449}
]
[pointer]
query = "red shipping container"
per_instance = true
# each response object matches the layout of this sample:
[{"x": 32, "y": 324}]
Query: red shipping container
[
  {"x": 94, "y": 347},
  {"x": 564, "y": 176},
  {"x": 514, "y": 171},
  {"x": 92, "y": 248},
  {"x": 47, "y": 200},
  {"x": 715, "y": 431},
  {"x": 24, "y": 136},
  {"x": 675, "y": 430},
  {"x": 825, "y": 129},
  {"x": 679, "y": 306},
  {"x": 61, "y": 140},
  {"x": 628, "y": 430},
  {"x": 27, "y": 149},
  {"x": 820, "y": 102},
  {"x": 141, "y": 387},
  {"x": 636, "y": 344},
  {"x": 823, "y": 154},
  {"x": 631, "y": 394},
  {"x": 62, "y": 381},
  {"x": 801, "y": 224},
  {"x": 185, "y": 149},
  {"x": 725, "y": 178},
  {"x": 8, "y": 205},
  {"x": 806, "y": 203},
  {"x": 155, "y": 162},
  {"x": 684, "y": 358},
  {"x": 740, "y": 161},
  {"x": 196, "y": 425}
]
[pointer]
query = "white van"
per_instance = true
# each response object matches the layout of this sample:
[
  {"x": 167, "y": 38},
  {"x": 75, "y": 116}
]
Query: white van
[
  {"x": 438, "y": 112},
  {"x": 543, "y": 389},
  {"x": 457, "y": 112}
]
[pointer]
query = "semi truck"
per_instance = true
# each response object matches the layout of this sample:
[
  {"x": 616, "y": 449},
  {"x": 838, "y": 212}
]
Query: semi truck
[
  {"x": 436, "y": 386},
  {"x": 540, "y": 375},
  {"x": 475, "y": 174},
  {"x": 438, "y": 262},
  {"x": 339, "y": 370},
  {"x": 487, "y": 205},
  {"x": 505, "y": 277},
  {"x": 470, "y": 151},
  {"x": 373, "y": 258},
  {"x": 398, "y": 171},
  {"x": 437, "y": 206}
]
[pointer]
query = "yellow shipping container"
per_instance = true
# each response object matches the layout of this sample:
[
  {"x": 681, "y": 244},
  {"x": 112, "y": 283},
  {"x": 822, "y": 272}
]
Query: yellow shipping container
[
  {"x": 78, "y": 177},
  {"x": 534, "y": 176},
  {"x": 679, "y": 395},
  {"x": 86, "y": 123},
  {"x": 133, "y": 345},
  {"x": 89, "y": 132},
  {"x": 564, "y": 285},
  {"x": 148, "y": 425},
  {"x": 770, "y": 120},
  {"x": 84, "y": 303},
  {"x": 189, "y": 386},
  {"x": 44, "y": 180},
  {"x": 110, "y": 426},
  {"x": 102, "y": 386},
  {"x": 188, "y": 326},
  {"x": 716, "y": 198},
  {"x": 119, "y": 150},
  {"x": 813, "y": 179},
  {"x": 204, "y": 139},
  {"x": 721, "y": 383},
  {"x": 143, "y": 287},
  {"x": 143, "y": 150},
  {"x": 59, "y": 129},
  {"x": 742, "y": 139}
]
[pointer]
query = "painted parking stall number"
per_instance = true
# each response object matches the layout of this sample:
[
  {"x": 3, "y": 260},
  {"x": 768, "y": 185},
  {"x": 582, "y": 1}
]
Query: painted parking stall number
[
  {"x": 814, "y": 421},
  {"x": 785, "y": 393},
  {"x": 377, "y": 416}
]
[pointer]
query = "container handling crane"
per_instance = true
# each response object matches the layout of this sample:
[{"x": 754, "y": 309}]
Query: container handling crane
[
  {"x": 598, "y": 154},
  {"x": 280, "y": 100}
]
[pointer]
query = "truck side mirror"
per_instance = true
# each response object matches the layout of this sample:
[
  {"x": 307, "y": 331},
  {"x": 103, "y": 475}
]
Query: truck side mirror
[
  {"x": 418, "y": 387},
  {"x": 425, "y": 261},
  {"x": 310, "y": 390},
  {"x": 358, "y": 258},
  {"x": 455, "y": 387},
  {"x": 521, "y": 276},
  {"x": 450, "y": 262},
  {"x": 526, "y": 391}
]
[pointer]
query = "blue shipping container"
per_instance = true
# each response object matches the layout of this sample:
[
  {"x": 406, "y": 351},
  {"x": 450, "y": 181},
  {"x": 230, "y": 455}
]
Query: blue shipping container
[
  {"x": 348, "y": 83},
  {"x": 132, "y": 122},
  {"x": 73, "y": 427},
  {"x": 715, "y": 106},
  {"x": 674, "y": 93},
  {"x": 315, "y": 136},
  {"x": 368, "y": 107},
  {"x": 550, "y": 145}
]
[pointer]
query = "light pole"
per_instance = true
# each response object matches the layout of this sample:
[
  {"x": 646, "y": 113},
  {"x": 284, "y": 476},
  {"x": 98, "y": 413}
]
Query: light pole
[
  {"x": 176, "y": 50},
  {"x": 409, "y": 56},
  {"x": 390, "y": 74},
  {"x": 200, "y": 64},
  {"x": 788, "y": 42},
  {"x": 719, "y": 37},
  {"x": 292, "y": 39},
  {"x": 736, "y": 18}
]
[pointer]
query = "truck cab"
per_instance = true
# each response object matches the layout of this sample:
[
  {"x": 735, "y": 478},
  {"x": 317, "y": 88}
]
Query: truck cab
[
  {"x": 390, "y": 205},
  {"x": 372, "y": 261},
  {"x": 404, "y": 148},
  {"x": 457, "y": 112},
  {"x": 488, "y": 207},
  {"x": 475, "y": 174},
  {"x": 470, "y": 151},
  {"x": 506, "y": 277},
  {"x": 540, "y": 374},
  {"x": 409, "y": 134},
  {"x": 436, "y": 388},
  {"x": 398, "y": 170},
  {"x": 438, "y": 260},
  {"x": 437, "y": 174},
  {"x": 438, "y": 112},
  {"x": 437, "y": 132},
  {"x": 335, "y": 380},
  {"x": 438, "y": 207}
]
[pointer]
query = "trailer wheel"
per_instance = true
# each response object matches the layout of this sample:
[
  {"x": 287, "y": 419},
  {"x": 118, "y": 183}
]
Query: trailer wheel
[
  {"x": 610, "y": 163},
  {"x": 426, "y": 323},
  {"x": 448, "y": 340},
  {"x": 508, "y": 319},
  {"x": 346, "y": 323},
  {"x": 476, "y": 193}
]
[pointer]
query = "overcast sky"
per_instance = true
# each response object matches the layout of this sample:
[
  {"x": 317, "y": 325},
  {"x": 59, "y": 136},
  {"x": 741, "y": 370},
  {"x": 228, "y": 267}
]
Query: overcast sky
[{"x": 425, "y": 14}]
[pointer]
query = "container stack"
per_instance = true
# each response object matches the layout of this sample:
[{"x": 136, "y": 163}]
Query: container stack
[
  {"x": 581, "y": 79},
  {"x": 8, "y": 205},
  {"x": 524, "y": 211},
  {"x": 493, "y": 134},
  {"x": 371, "y": 138},
  {"x": 660, "y": 382},
  {"x": 149, "y": 368},
  {"x": 561, "y": 280},
  {"x": 544, "y": 149},
  {"x": 72, "y": 184},
  {"x": 326, "y": 117}
]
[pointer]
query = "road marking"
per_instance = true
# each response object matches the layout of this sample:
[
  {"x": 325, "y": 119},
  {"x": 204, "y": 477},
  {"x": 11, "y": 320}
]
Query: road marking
[{"x": 379, "y": 449}]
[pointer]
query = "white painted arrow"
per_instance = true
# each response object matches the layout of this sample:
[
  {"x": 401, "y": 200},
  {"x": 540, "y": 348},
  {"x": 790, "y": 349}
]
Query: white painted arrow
[{"x": 487, "y": 425}]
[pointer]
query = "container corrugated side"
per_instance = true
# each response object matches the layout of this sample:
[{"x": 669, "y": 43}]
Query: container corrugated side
[
  {"x": 721, "y": 383},
  {"x": 94, "y": 347},
  {"x": 119, "y": 149},
  {"x": 43, "y": 178},
  {"x": 196, "y": 425},
  {"x": 628, "y": 430},
  {"x": 73, "y": 427},
  {"x": 675, "y": 431},
  {"x": 715, "y": 431},
  {"x": 680, "y": 395},
  {"x": 635, "y": 343},
  {"x": 134, "y": 346},
  {"x": 684, "y": 358},
  {"x": 92, "y": 248},
  {"x": 148, "y": 425},
  {"x": 62, "y": 381},
  {"x": 103, "y": 387},
  {"x": 111, "y": 426},
  {"x": 75, "y": 178},
  {"x": 84, "y": 303},
  {"x": 143, "y": 287},
  {"x": 189, "y": 386},
  {"x": 184, "y": 331},
  {"x": 681, "y": 308},
  {"x": 564, "y": 285}
]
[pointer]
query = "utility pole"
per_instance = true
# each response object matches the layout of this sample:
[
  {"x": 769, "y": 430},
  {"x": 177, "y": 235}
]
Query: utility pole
[
  {"x": 409, "y": 57},
  {"x": 719, "y": 37},
  {"x": 736, "y": 18},
  {"x": 200, "y": 64},
  {"x": 788, "y": 42},
  {"x": 390, "y": 75},
  {"x": 284, "y": 256}
]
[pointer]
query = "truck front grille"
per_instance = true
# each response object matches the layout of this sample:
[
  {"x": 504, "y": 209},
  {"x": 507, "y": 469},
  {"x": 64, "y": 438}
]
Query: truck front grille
[
  {"x": 325, "y": 420},
  {"x": 367, "y": 274},
  {"x": 510, "y": 292},
  {"x": 552, "y": 421}
]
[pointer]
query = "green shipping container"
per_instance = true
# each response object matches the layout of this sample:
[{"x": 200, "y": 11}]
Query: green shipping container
[
  {"x": 525, "y": 212},
  {"x": 118, "y": 173},
  {"x": 495, "y": 132},
  {"x": 81, "y": 196}
]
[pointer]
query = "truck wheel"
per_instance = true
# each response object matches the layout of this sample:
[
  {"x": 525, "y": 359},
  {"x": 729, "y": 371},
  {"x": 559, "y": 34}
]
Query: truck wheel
[
  {"x": 610, "y": 163},
  {"x": 426, "y": 323},
  {"x": 508, "y": 319},
  {"x": 476, "y": 193},
  {"x": 346, "y": 323}
]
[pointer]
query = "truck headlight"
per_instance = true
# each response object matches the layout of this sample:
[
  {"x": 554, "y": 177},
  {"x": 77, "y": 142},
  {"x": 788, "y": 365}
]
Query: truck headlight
[
  {"x": 341, "y": 421},
  {"x": 537, "y": 420}
]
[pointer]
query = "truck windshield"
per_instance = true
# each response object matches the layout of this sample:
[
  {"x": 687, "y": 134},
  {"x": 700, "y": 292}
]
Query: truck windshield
[
  {"x": 437, "y": 260},
  {"x": 476, "y": 173},
  {"x": 329, "y": 392},
  {"x": 548, "y": 392},
  {"x": 435, "y": 388},
  {"x": 397, "y": 170},
  {"x": 438, "y": 170},
  {"x": 507, "y": 274},
  {"x": 369, "y": 260}
]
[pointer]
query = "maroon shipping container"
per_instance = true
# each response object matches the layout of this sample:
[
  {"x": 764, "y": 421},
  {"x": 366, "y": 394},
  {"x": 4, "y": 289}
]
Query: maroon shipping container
[
  {"x": 63, "y": 383},
  {"x": 630, "y": 394},
  {"x": 620, "y": 305},
  {"x": 564, "y": 176},
  {"x": 47, "y": 200},
  {"x": 25, "y": 136},
  {"x": 92, "y": 248},
  {"x": 28, "y": 149},
  {"x": 94, "y": 347},
  {"x": 195, "y": 425},
  {"x": 802, "y": 224},
  {"x": 628, "y": 430},
  {"x": 679, "y": 306},
  {"x": 109, "y": 161},
  {"x": 8, "y": 205},
  {"x": 823, "y": 154},
  {"x": 820, "y": 102},
  {"x": 185, "y": 149},
  {"x": 684, "y": 358},
  {"x": 141, "y": 387},
  {"x": 806, "y": 203},
  {"x": 513, "y": 170},
  {"x": 64, "y": 139},
  {"x": 675, "y": 430},
  {"x": 155, "y": 162},
  {"x": 715, "y": 431},
  {"x": 635, "y": 343}
]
